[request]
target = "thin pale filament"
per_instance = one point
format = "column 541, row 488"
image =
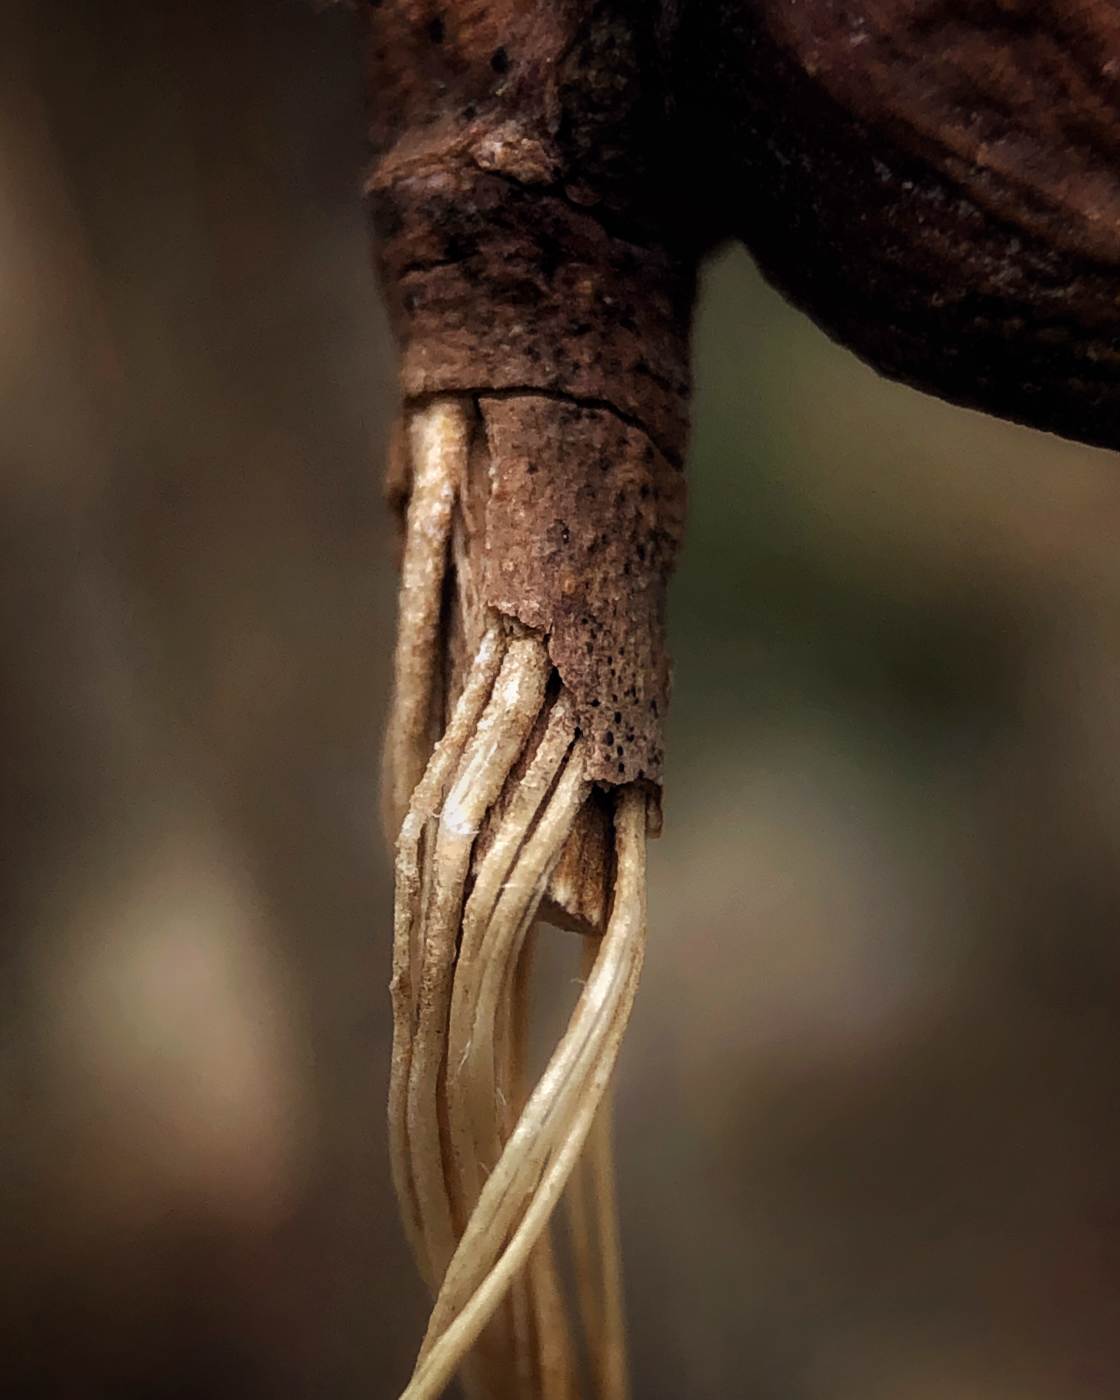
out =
column 478, row 918
column 428, row 795
column 439, row 440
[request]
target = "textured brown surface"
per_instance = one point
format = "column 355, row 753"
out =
column 496, row 286
column 1018, row 101
column 936, row 183
column 583, row 523
column 522, row 241
column 525, row 248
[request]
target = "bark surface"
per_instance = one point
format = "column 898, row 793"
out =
column 531, row 263
column 936, row 183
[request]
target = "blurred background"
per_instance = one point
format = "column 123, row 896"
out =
column 869, row 1109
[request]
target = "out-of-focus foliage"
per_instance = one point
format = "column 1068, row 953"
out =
column 867, row 1108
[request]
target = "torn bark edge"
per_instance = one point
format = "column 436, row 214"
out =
column 583, row 522
column 564, row 520
column 572, row 521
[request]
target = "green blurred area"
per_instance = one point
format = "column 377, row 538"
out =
column 867, row 1108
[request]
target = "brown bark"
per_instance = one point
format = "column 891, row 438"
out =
column 582, row 554
column 530, row 266
column 937, row 183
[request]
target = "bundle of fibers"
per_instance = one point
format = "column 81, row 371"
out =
column 497, row 771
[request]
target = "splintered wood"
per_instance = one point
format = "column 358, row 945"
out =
column 495, row 766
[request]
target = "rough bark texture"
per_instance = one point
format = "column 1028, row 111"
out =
column 523, row 242
column 582, row 554
column 526, row 247
column 498, row 286
column 936, row 181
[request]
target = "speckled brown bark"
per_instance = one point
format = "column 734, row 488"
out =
column 583, row 553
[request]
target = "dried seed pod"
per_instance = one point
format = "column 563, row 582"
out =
column 937, row 184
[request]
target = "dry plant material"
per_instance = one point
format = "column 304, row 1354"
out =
column 547, row 175
column 543, row 326
column 511, row 782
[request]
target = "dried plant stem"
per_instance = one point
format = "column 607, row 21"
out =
column 479, row 1165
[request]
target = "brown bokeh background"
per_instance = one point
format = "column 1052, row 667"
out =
column 868, row 1109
